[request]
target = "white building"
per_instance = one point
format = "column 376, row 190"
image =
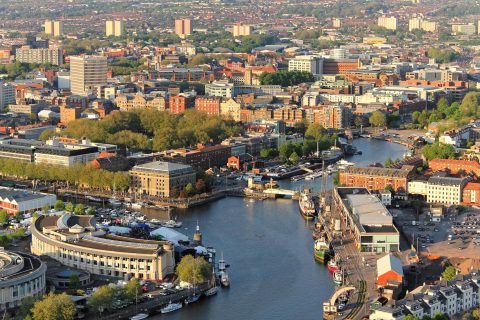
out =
column 389, row 23
column 443, row 190
column 86, row 73
column 467, row 29
column 22, row 276
column 54, row 28
column 242, row 30
column 13, row 200
column 114, row 28
column 312, row 64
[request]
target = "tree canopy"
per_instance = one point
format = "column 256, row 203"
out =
column 378, row 119
column 194, row 270
column 285, row 78
column 54, row 307
column 449, row 273
column 438, row 150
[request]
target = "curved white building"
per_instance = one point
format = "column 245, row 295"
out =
column 21, row 275
column 75, row 241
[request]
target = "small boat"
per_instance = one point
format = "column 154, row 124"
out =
column 94, row 199
column 222, row 268
column 192, row 299
column 156, row 221
column 210, row 292
column 115, row 202
column 140, row 316
column 332, row 265
column 321, row 249
column 338, row 277
column 171, row 307
column 173, row 224
column 138, row 205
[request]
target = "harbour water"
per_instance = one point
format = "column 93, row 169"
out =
column 269, row 247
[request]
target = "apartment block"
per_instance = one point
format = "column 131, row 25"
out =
column 389, row 23
column 87, row 73
column 242, row 30
column 208, row 105
column 183, row 27
column 41, row 56
column 54, row 28
column 114, row 28
column 376, row 178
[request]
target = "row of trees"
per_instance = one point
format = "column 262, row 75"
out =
column 438, row 150
column 286, row 78
column 79, row 175
column 102, row 300
column 152, row 129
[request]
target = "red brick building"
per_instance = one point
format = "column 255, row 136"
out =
column 205, row 157
column 340, row 66
column 375, row 178
column 233, row 163
column 180, row 103
column 471, row 194
column 455, row 166
column 208, row 105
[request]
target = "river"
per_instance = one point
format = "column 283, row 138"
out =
column 270, row 249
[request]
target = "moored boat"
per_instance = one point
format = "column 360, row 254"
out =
column 139, row 316
column 210, row 292
column 332, row 265
column 192, row 299
column 171, row 307
column 321, row 249
column 338, row 277
column 306, row 205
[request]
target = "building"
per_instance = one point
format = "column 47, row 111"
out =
column 14, row 201
column 471, row 194
column 23, row 275
column 86, row 73
column 183, row 27
column 208, row 105
column 204, row 157
column 25, row 108
column 55, row 153
column 467, row 29
column 26, row 54
column 69, row 114
column 76, row 242
column 333, row 117
column 148, row 102
column 114, row 28
column 54, row 28
column 161, row 179
column 389, row 23
column 230, row 109
column 336, row 23
column 366, row 217
column 180, row 103
column 439, row 189
column 455, row 166
column 376, row 178
column 419, row 23
column 452, row 298
column 340, row 66
column 7, row 95
column 312, row 64
column 240, row 30
column 389, row 268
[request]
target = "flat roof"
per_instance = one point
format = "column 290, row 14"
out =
column 20, row 195
column 369, row 209
column 163, row 166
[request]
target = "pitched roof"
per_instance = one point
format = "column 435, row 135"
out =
column 389, row 263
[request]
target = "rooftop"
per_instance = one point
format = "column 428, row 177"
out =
column 163, row 166
column 379, row 171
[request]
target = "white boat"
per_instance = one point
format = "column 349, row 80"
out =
column 138, row 205
column 210, row 292
column 192, row 299
column 94, row 199
column 156, row 221
column 222, row 268
column 343, row 162
column 173, row 224
column 171, row 307
column 139, row 316
column 115, row 202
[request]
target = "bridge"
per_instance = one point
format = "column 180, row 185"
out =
column 281, row 192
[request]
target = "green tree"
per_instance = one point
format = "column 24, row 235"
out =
column 336, row 178
column 358, row 121
column 294, row 157
column 469, row 105
column 193, row 270
column 74, row 283
column 69, row 207
column 315, row 131
column 476, row 313
column 285, row 78
column 388, row 162
column 59, row 205
column 79, row 209
column 378, row 119
column 90, row 211
column 410, row 317
column 449, row 273
column 26, row 305
column 102, row 299
column 264, row 153
column 189, row 189
column 54, row 307
column 45, row 208
column 3, row 217
column 438, row 150
column 133, row 289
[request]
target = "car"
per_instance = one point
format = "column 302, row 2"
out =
column 436, row 230
column 460, row 248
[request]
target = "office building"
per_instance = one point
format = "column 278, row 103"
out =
column 240, row 30
column 86, row 73
column 389, row 23
column 41, row 56
column 367, row 218
column 7, row 95
column 161, row 179
column 376, row 178
column 183, row 27
column 439, row 189
column 114, row 28
column 54, row 28
column 14, row 201
column 23, row 275
column 466, row 29
column 312, row 64
column 77, row 242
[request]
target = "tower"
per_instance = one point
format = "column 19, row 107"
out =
column 197, row 236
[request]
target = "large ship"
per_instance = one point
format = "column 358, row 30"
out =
column 321, row 249
column 306, row 205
